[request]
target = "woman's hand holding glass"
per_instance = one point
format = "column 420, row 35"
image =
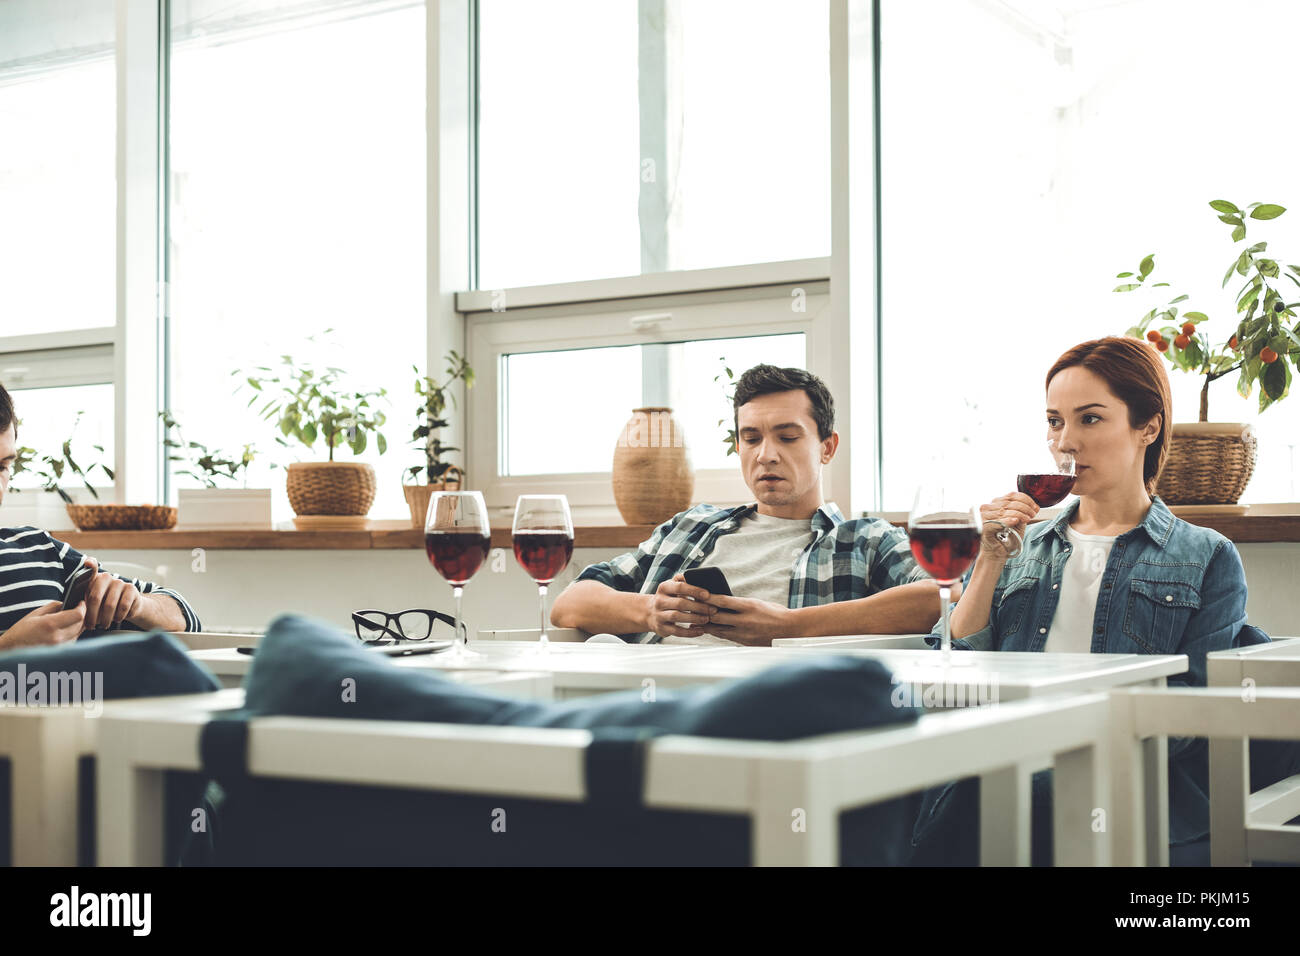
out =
column 1006, row 519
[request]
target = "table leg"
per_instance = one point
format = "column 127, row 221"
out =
column 1005, row 814
column 1229, row 794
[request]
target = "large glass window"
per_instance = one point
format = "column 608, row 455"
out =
column 79, row 414
column 57, row 156
column 297, row 205
column 1031, row 152
column 538, row 406
column 618, row 138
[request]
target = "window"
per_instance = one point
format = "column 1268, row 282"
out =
column 1057, row 146
column 57, row 174
column 80, row 413
column 297, row 180
column 618, row 138
column 558, row 411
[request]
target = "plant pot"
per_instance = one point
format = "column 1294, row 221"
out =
column 652, row 468
column 213, row 508
column 122, row 517
column 36, row 509
column 330, row 487
column 417, row 496
column 1209, row 463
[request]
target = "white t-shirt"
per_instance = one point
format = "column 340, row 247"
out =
column 757, row 559
column 1071, row 630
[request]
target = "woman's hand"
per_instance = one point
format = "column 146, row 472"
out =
column 1014, row 511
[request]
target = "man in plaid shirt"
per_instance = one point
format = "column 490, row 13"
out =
column 795, row 566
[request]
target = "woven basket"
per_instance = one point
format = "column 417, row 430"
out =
column 417, row 496
column 1210, row 463
column 122, row 517
column 331, row 487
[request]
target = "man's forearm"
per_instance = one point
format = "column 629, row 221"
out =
column 594, row 607
column 906, row 609
column 159, row 612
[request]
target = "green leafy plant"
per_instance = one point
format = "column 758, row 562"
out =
column 1265, row 342
column 208, row 467
column 729, row 392
column 434, row 400
column 52, row 470
column 310, row 405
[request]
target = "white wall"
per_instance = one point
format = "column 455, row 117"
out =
column 248, row 588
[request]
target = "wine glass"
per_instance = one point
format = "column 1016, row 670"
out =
column 543, row 539
column 456, row 539
column 944, row 533
column 1047, row 488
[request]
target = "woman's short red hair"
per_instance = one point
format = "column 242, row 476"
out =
column 1133, row 371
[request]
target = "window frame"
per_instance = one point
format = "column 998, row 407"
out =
column 586, row 315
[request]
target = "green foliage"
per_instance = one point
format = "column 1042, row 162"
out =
column 434, row 400
column 1263, row 317
column 52, row 470
column 311, row 405
column 206, row 466
column 729, row 390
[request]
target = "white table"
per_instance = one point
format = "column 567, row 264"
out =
column 1245, row 825
column 912, row 642
column 44, row 747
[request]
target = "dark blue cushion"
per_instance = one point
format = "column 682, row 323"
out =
column 301, row 665
column 300, row 668
column 145, row 665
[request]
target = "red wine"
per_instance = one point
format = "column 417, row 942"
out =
column 1045, row 489
column 945, row 550
column 543, row 554
column 457, row 554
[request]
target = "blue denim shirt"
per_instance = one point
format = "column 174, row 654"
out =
column 1169, row 587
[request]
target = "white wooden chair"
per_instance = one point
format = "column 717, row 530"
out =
column 1249, row 826
column 823, row 776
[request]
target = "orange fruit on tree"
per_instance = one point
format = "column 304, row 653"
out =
column 1232, row 343
column 1188, row 328
column 1268, row 355
column 1182, row 340
column 1163, row 345
column 1153, row 336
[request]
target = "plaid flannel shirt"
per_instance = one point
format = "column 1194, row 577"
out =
column 846, row 560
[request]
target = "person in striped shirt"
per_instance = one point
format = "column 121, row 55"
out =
column 35, row 570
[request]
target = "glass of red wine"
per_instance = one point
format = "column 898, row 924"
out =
column 1047, row 488
column 543, row 538
column 456, row 539
column 945, row 538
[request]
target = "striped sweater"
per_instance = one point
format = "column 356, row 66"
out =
column 35, row 569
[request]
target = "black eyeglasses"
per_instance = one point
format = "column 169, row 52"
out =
column 413, row 624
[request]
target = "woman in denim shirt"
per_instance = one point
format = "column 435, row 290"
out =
column 1116, row 572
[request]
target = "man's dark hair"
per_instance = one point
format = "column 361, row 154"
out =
column 6, row 411
column 766, row 379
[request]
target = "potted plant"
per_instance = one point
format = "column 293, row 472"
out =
column 312, row 406
column 47, row 507
column 214, row 506
column 729, row 392
column 1210, row 463
column 433, row 474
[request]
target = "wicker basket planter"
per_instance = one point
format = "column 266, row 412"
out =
column 1209, row 463
column 331, row 487
column 417, row 496
column 122, row 517
column 652, row 472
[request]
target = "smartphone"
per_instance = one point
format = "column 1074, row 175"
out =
column 712, row 580
column 78, row 586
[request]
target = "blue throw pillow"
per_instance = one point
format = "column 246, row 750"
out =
column 145, row 665
column 302, row 668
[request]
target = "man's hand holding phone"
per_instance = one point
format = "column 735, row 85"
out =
column 678, row 609
column 109, row 599
column 48, row 624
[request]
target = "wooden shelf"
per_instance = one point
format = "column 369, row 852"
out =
column 398, row 534
column 377, row 534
